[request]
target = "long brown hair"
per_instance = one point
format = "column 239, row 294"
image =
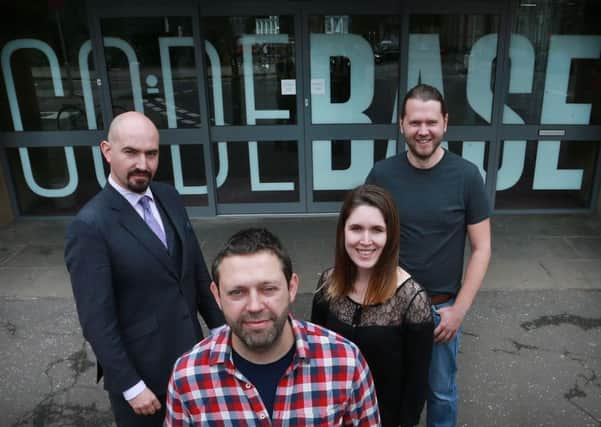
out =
column 383, row 280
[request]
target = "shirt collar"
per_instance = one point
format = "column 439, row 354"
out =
column 132, row 197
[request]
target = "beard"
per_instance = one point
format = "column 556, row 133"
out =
column 137, row 183
column 260, row 340
column 423, row 155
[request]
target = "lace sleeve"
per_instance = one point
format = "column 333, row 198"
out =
column 419, row 309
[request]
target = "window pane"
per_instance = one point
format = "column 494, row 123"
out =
column 151, row 68
column 546, row 174
column 256, row 172
column 455, row 54
column 340, row 165
column 54, row 182
column 555, row 64
column 354, row 68
column 184, row 166
column 45, row 86
column 251, row 70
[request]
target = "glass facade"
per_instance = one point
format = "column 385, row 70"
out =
column 250, row 65
column 150, row 67
column 248, row 173
column 273, row 108
column 354, row 68
column 455, row 53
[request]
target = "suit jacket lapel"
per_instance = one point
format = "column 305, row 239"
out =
column 131, row 221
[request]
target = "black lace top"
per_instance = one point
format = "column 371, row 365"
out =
column 395, row 338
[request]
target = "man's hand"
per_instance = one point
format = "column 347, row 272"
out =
column 450, row 321
column 145, row 403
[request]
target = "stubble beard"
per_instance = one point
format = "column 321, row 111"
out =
column 264, row 340
column 423, row 156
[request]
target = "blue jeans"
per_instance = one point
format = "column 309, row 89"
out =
column 442, row 393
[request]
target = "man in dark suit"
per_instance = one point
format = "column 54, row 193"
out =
column 138, row 275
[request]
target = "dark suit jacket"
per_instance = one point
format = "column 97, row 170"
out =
column 136, row 303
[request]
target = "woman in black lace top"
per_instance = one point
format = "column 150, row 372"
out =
column 370, row 300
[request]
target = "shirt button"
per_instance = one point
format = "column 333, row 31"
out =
column 262, row 416
column 247, row 385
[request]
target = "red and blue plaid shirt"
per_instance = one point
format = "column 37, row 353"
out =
column 328, row 384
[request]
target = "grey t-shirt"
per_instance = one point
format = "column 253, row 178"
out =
column 435, row 206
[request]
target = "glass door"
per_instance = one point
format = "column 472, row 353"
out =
column 353, row 63
column 254, row 79
column 45, row 134
column 304, row 100
column 152, row 64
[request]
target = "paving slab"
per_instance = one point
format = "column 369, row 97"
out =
column 527, row 358
column 530, row 353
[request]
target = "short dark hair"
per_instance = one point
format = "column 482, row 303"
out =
column 251, row 241
column 424, row 92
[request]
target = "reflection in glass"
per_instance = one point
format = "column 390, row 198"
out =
column 50, row 171
column 251, row 70
column 189, row 176
column 354, row 68
column 258, row 172
column 455, row 54
column 45, row 66
column 151, row 68
column 555, row 64
column 340, row 165
column 554, row 175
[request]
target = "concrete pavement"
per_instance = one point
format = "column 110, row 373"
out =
column 530, row 351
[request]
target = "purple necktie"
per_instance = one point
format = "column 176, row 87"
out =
column 151, row 220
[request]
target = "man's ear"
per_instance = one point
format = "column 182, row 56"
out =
column 215, row 292
column 293, row 287
column 105, row 147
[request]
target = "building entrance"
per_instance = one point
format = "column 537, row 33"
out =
column 281, row 107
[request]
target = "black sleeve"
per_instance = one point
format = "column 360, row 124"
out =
column 88, row 261
column 418, row 337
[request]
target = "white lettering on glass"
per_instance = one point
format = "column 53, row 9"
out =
column 252, row 114
column 361, row 60
column 7, row 51
column 165, row 43
column 557, row 111
column 480, row 97
column 424, row 65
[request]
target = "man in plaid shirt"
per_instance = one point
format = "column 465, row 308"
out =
column 265, row 368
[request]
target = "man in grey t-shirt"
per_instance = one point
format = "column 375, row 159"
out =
column 440, row 198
